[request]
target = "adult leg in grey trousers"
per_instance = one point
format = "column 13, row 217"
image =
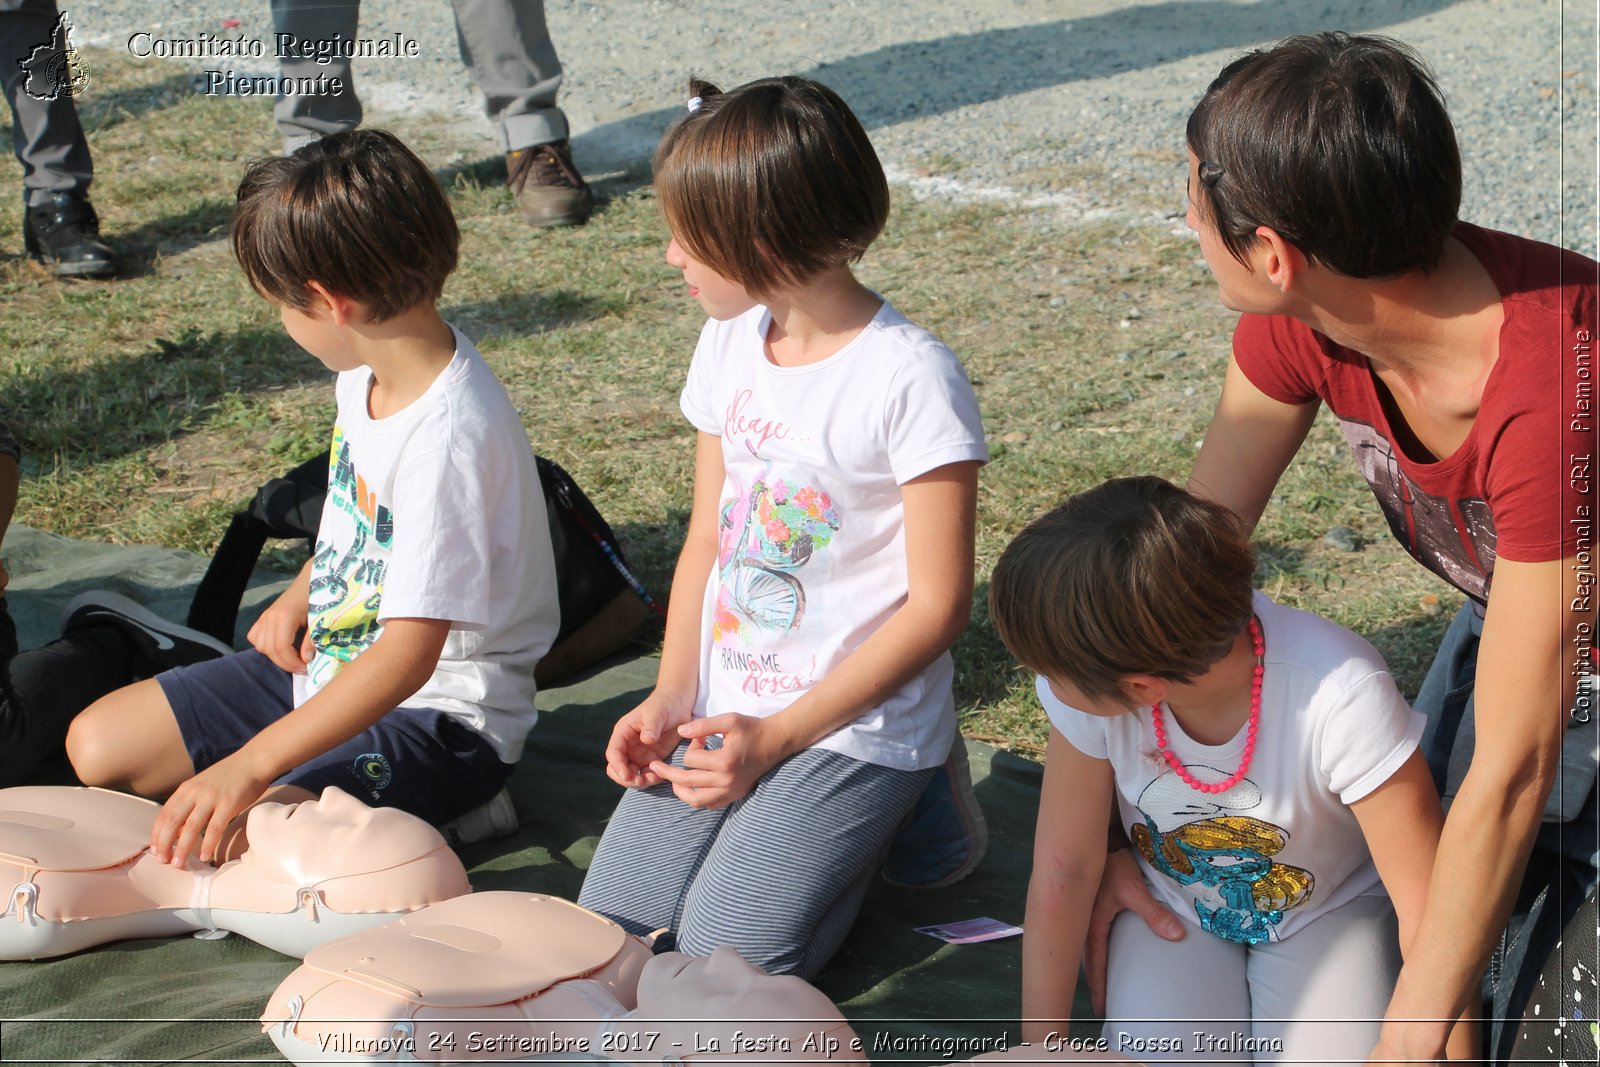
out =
column 46, row 134
column 506, row 46
column 303, row 118
column 61, row 227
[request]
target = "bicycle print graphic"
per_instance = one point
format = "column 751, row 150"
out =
column 765, row 535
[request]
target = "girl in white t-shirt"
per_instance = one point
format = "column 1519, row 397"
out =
column 1266, row 771
column 804, row 695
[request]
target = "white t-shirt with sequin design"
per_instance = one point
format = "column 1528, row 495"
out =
column 1254, row 862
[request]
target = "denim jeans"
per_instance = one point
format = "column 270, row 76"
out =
column 1561, row 872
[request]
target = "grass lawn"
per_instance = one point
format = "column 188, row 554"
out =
column 150, row 407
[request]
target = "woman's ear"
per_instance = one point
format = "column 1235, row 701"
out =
column 1278, row 258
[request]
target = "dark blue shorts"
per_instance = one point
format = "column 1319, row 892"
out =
column 418, row 760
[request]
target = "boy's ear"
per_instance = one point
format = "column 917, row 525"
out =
column 1280, row 260
column 335, row 305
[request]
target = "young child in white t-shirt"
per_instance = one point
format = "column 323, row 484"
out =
column 1266, row 771
column 398, row 665
column 804, row 695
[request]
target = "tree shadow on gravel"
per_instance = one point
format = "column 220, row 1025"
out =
column 914, row 79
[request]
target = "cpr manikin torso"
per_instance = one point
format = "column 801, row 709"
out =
column 81, row 873
column 553, row 983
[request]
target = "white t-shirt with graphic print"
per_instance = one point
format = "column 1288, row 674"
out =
column 435, row 512
column 1253, row 863
column 811, row 541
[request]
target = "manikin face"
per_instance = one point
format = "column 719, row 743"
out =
column 721, row 297
column 334, row 834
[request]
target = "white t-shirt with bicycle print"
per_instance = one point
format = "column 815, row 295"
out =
column 811, row 539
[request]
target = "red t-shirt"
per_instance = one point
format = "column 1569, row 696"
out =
column 1521, row 484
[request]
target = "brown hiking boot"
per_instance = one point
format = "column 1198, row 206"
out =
column 548, row 188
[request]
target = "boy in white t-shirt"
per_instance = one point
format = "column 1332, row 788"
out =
column 398, row 665
column 1265, row 768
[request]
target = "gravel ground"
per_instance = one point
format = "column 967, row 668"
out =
column 1072, row 106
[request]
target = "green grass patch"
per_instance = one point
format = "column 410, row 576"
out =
column 150, row 407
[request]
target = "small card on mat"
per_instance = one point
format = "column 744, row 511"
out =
column 971, row 931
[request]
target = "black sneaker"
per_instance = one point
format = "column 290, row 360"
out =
column 65, row 234
column 159, row 645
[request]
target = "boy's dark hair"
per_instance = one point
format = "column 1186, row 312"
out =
column 1341, row 144
column 1135, row 576
column 772, row 183
column 356, row 211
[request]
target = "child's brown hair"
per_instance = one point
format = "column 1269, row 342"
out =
column 357, row 212
column 772, row 183
column 1135, row 576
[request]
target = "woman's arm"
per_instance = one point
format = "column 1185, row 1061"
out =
column 1525, row 685
column 646, row 734
column 940, row 515
column 1250, row 442
column 1401, row 820
column 1069, row 851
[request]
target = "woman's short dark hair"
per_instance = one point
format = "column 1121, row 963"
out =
column 356, row 211
column 1135, row 576
column 1341, row 144
column 772, row 183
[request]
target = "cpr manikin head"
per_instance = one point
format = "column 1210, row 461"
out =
column 83, row 874
column 357, row 858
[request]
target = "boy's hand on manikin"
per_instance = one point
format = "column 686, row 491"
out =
column 195, row 818
column 716, row 777
column 644, row 736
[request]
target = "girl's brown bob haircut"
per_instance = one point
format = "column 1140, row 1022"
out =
column 1341, row 144
column 772, row 183
column 1135, row 576
column 356, row 211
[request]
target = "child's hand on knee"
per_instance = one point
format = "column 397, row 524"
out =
column 644, row 736
column 716, row 777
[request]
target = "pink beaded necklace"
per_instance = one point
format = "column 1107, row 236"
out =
column 1250, row 736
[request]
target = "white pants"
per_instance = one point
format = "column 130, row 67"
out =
column 1317, row 997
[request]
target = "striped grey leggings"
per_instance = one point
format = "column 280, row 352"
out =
column 778, row 874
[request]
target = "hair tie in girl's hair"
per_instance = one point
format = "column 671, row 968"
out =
column 694, row 104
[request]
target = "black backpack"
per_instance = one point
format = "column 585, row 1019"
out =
column 602, row 604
